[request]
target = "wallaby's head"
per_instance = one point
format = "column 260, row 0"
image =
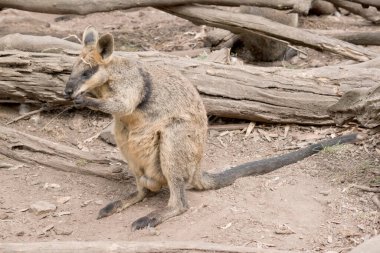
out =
column 90, row 70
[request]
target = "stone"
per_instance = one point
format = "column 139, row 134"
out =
column 63, row 200
column 62, row 231
column 42, row 207
column 107, row 135
column 4, row 216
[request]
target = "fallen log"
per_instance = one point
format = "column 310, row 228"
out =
column 361, row 105
column 129, row 247
column 32, row 43
column 25, row 148
column 277, row 95
column 354, row 37
column 87, row 7
column 374, row 3
column 250, row 24
column 370, row 14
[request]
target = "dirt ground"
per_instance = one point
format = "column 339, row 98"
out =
column 311, row 205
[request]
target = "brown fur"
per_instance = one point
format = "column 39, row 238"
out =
column 160, row 126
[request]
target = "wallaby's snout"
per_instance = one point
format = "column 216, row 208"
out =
column 68, row 92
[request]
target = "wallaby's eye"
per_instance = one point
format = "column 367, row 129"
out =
column 89, row 72
column 86, row 73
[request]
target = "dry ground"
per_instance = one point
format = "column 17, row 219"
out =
column 310, row 205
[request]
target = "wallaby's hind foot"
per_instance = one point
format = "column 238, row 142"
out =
column 120, row 205
column 157, row 217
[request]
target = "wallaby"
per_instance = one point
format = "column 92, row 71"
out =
column 160, row 127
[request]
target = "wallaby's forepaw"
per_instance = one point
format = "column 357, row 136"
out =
column 110, row 209
column 144, row 222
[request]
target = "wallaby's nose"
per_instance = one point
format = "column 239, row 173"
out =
column 68, row 92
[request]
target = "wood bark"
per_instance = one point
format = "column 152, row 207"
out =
column 36, row 43
column 361, row 105
column 251, row 24
column 91, row 6
column 276, row 95
column 375, row 3
column 26, row 148
column 128, row 247
column 354, row 37
column 370, row 14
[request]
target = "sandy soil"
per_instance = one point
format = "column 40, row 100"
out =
column 310, row 205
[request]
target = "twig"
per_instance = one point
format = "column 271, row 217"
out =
column 73, row 35
column 56, row 116
column 90, row 139
column 26, row 115
column 367, row 189
column 376, row 200
column 228, row 127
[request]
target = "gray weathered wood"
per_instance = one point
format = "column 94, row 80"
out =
column 128, row 247
column 375, row 3
column 250, row 24
column 370, row 14
column 276, row 95
column 362, row 105
column 90, row 6
column 25, row 148
column 354, row 37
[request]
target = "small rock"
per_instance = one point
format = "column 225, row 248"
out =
column 107, row 135
column 117, row 170
column 46, row 229
column 62, row 231
column 53, row 186
column 84, row 204
column 36, row 118
column 5, row 165
column 325, row 193
column 99, row 202
column 20, row 233
column 63, row 200
column 153, row 231
column 59, row 214
column 4, row 216
column 24, row 109
column 329, row 239
column 42, row 207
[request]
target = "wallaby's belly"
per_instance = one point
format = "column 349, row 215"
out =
column 140, row 147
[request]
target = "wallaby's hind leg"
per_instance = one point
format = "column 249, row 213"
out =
column 176, row 160
column 120, row 205
column 176, row 206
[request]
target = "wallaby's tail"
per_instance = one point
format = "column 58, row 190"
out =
column 228, row 177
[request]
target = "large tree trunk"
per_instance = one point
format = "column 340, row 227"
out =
column 87, row 7
column 250, row 24
column 259, row 94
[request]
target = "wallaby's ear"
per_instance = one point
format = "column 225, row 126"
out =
column 90, row 36
column 105, row 46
